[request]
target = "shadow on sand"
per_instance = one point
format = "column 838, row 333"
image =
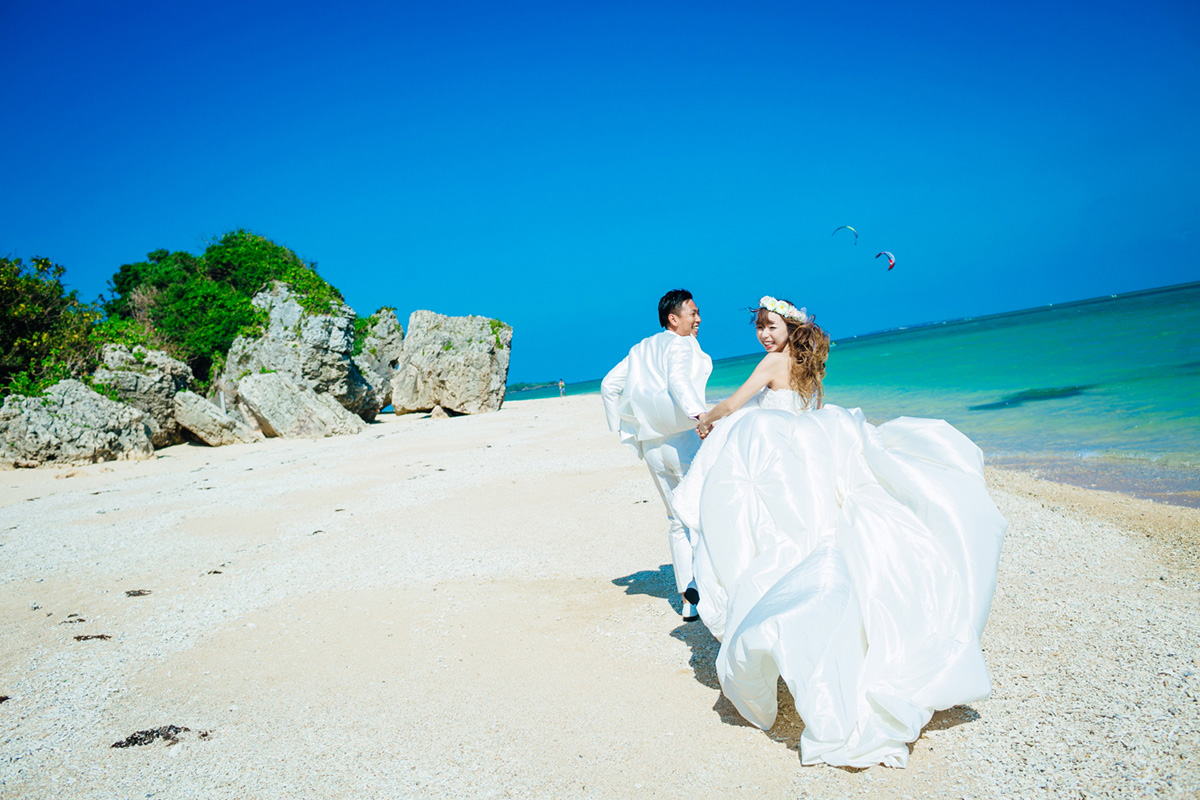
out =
column 704, row 647
column 950, row 718
column 788, row 725
column 660, row 584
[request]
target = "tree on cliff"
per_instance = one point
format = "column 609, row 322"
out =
column 194, row 306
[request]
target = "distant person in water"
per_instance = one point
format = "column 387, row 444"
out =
column 562, row 388
column 655, row 398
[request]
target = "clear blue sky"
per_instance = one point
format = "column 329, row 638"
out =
column 560, row 165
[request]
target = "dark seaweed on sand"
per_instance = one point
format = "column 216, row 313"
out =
column 167, row 732
column 137, row 593
column 85, row 637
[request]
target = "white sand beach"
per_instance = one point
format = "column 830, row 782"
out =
column 480, row 607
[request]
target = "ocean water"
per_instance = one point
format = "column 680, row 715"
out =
column 1102, row 393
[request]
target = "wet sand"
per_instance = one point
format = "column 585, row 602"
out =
column 1172, row 485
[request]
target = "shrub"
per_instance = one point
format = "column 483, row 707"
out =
column 497, row 326
column 46, row 333
column 248, row 262
column 195, row 306
column 363, row 324
column 198, row 320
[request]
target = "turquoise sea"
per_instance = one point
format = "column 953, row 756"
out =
column 1101, row 393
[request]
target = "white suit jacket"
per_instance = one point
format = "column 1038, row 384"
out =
column 656, row 389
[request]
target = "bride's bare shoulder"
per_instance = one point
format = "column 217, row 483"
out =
column 774, row 367
column 774, row 361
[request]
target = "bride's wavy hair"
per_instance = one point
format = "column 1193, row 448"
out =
column 809, row 346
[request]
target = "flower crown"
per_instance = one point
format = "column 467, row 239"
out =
column 784, row 309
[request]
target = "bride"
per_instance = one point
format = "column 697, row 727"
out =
column 857, row 562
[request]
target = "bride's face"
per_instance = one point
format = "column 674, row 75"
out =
column 773, row 335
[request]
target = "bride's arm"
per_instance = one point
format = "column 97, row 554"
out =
column 758, row 379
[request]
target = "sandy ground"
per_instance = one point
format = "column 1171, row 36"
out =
column 480, row 607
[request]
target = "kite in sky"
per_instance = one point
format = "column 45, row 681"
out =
column 847, row 227
column 891, row 258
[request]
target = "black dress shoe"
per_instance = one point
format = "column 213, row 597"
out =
column 691, row 595
column 689, row 613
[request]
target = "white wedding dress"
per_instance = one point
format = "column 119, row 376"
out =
column 856, row 561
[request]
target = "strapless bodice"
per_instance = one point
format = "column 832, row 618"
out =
column 781, row 400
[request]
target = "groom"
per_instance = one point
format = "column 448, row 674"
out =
column 654, row 398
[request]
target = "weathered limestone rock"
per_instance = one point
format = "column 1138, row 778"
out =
column 147, row 380
column 240, row 412
column 284, row 408
column 311, row 349
column 208, row 423
column 459, row 363
column 382, row 345
column 71, row 424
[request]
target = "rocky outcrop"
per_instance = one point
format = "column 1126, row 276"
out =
column 71, row 424
column 147, row 380
column 314, row 350
column 459, row 363
column 208, row 423
column 382, row 344
column 286, row 409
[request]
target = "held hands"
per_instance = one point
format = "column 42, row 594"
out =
column 703, row 429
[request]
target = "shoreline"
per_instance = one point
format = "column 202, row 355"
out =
column 1136, row 478
column 481, row 606
column 1117, row 478
column 1172, row 530
column 1139, row 476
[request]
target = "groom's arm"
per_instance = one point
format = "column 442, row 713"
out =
column 679, row 378
column 610, row 392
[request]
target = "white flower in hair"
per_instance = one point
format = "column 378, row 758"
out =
column 785, row 310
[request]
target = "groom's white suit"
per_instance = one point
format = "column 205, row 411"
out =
column 653, row 398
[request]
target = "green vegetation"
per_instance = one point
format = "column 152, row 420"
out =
column 190, row 306
column 364, row 324
column 46, row 333
column 497, row 326
column 361, row 326
column 195, row 306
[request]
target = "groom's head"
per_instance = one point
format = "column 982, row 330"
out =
column 677, row 312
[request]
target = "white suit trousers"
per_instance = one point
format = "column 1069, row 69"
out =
column 668, row 459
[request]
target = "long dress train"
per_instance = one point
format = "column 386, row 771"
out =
column 856, row 561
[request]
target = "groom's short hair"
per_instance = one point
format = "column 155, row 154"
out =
column 670, row 303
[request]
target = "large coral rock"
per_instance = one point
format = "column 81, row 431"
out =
column 284, row 408
column 71, row 424
column 210, row 424
column 314, row 350
column 382, row 344
column 459, row 363
column 147, row 380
